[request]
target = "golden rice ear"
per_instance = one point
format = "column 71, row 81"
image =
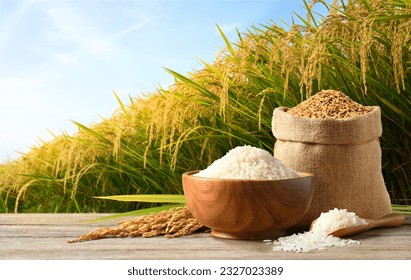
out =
column 171, row 223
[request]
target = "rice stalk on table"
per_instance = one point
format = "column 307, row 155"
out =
column 362, row 48
column 172, row 223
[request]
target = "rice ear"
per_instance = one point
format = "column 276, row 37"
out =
column 175, row 222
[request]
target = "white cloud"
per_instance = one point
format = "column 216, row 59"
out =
column 20, row 94
column 135, row 27
column 25, row 114
column 10, row 19
column 33, row 105
column 80, row 31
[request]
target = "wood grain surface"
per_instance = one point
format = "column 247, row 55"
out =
column 45, row 236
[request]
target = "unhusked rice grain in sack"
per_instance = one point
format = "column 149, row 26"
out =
column 337, row 140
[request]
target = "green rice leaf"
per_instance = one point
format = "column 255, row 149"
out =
column 193, row 84
column 367, row 4
column 153, row 198
column 122, row 106
column 402, row 209
column 141, row 212
column 227, row 43
column 93, row 133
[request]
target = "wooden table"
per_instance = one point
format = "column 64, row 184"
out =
column 45, row 236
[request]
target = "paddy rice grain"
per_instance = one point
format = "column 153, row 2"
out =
column 171, row 223
column 331, row 104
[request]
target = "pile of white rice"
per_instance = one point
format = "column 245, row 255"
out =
column 318, row 237
column 246, row 162
column 336, row 219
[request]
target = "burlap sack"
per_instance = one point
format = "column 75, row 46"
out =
column 343, row 154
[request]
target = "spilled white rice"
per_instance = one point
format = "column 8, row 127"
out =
column 246, row 162
column 318, row 237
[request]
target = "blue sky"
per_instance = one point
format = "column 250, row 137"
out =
column 62, row 60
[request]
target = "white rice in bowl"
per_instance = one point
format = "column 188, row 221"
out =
column 246, row 162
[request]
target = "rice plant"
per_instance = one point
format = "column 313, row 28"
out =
column 362, row 48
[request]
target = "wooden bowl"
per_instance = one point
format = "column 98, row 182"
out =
column 248, row 209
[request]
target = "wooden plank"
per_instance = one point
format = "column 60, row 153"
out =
column 45, row 236
column 55, row 219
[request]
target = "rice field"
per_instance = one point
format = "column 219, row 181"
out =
column 361, row 48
